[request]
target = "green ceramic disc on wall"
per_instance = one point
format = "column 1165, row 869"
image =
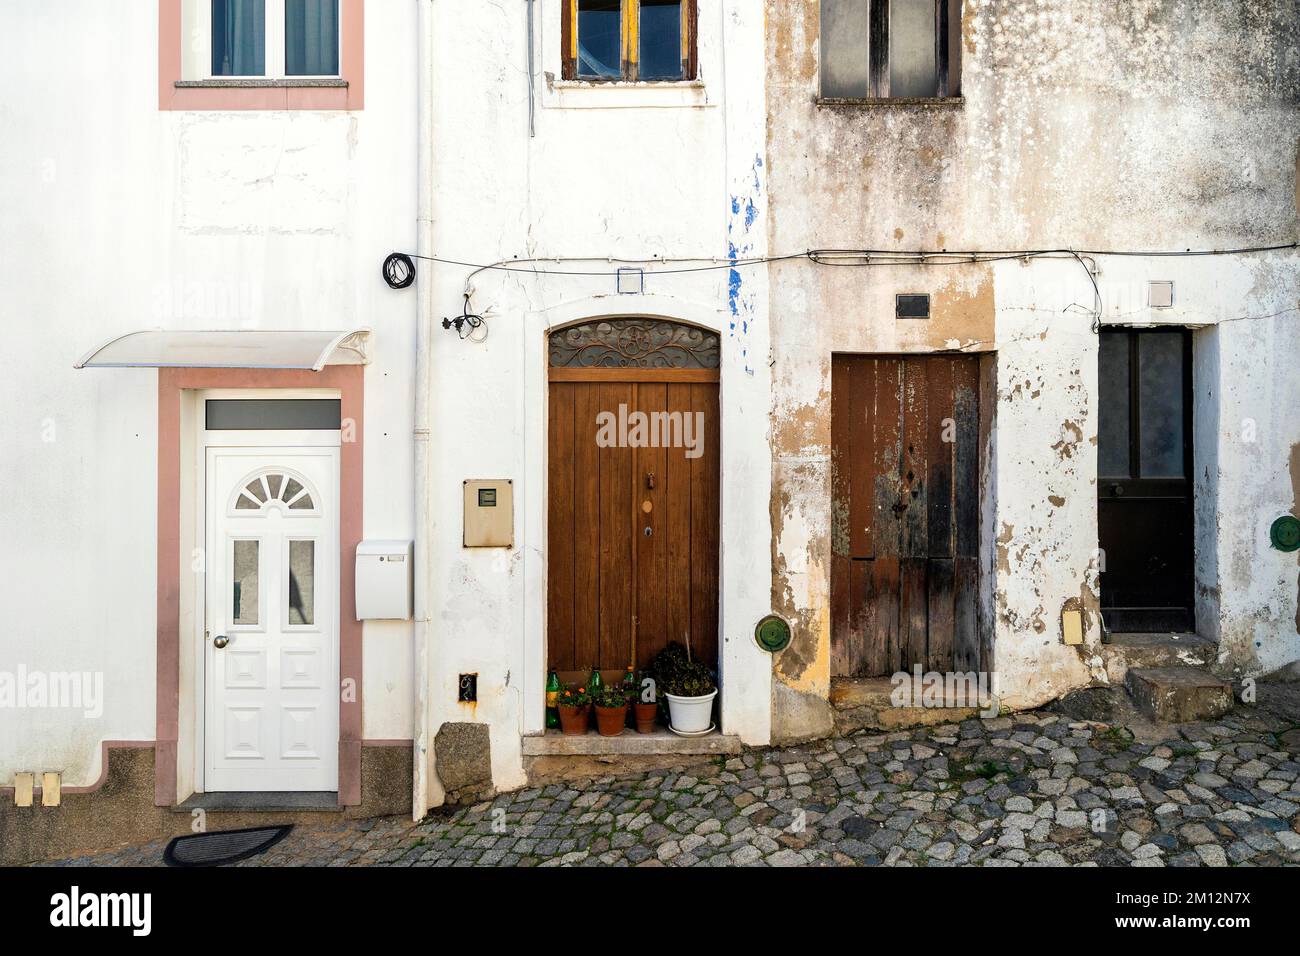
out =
column 772, row 634
column 1285, row 533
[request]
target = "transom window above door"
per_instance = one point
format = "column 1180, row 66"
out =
column 890, row 49
column 274, row 39
column 629, row 40
column 274, row 489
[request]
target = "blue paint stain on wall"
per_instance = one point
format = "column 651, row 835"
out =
column 744, row 216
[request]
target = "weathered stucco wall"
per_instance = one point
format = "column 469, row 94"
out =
column 1085, row 124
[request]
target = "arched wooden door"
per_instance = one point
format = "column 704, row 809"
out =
column 632, row 494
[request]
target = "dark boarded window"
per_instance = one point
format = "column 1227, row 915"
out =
column 890, row 49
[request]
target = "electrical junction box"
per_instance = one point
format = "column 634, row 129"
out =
column 489, row 513
column 384, row 580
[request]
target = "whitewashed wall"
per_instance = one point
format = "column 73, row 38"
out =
column 610, row 172
column 117, row 217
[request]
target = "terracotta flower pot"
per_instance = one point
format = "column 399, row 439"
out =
column 610, row 720
column 573, row 720
column 645, row 717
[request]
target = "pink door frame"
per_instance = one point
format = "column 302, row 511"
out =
column 172, row 382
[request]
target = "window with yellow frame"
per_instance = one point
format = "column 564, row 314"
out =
column 629, row 40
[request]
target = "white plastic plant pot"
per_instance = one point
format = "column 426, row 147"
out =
column 690, row 715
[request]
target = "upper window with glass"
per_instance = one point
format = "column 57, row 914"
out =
column 890, row 49
column 629, row 40
column 275, row 39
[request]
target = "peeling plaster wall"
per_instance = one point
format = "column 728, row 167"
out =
column 119, row 217
column 1084, row 123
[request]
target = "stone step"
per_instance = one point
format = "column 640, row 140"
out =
column 868, row 704
column 1178, row 694
column 1125, row 650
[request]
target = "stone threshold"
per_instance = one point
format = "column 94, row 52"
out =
column 553, row 743
column 261, row 802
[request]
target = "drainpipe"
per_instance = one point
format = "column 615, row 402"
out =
column 426, row 788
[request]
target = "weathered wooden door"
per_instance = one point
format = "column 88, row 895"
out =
column 905, row 465
column 632, row 494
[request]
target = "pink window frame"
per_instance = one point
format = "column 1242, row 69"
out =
column 284, row 96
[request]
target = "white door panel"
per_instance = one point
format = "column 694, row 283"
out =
column 271, row 699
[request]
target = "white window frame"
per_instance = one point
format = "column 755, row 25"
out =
column 274, row 33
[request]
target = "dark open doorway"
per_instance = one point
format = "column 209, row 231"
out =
column 1144, row 479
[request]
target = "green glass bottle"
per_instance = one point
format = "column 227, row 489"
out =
column 553, row 699
column 595, row 683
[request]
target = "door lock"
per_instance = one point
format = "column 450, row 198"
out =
column 1117, row 490
column 220, row 641
column 650, row 480
column 649, row 531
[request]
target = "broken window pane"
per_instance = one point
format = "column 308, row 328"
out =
column 661, row 40
column 600, row 26
column 845, row 66
column 912, row 67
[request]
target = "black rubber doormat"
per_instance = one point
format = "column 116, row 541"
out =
column 222, row 846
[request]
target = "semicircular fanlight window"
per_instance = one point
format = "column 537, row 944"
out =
column 274, row 488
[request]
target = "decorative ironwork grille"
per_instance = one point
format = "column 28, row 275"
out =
column 634, row 343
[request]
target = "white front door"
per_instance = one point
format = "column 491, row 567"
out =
column 271, row 711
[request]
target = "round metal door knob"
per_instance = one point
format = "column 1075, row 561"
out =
column 220, row 641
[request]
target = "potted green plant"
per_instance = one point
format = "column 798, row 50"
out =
column 645, row 710
column 611, row 710
column 575, row 710
column 689, row 688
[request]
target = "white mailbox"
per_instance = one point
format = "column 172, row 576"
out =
column 384, row 580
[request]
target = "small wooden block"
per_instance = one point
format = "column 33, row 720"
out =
column 51, row 788
column 24, row 784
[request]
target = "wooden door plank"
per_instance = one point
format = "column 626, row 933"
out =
column 940, row 591
column 860, row 608
column 704, row 526
column 966, row 638
column 916, row 455
column 676, row 525
column 941, row 430
column 841, row 559
column 651, row 552
column 886, row 477
column 560, row 593
column 882, row 616
column 841, row 441
column 586, row 523
column 914, row 613
column 860, row 436
column 615, row 643
column 966, row 456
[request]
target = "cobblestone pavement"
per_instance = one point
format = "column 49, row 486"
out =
column 1030, row 789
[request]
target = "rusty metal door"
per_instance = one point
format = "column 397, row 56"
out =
column 905, row 465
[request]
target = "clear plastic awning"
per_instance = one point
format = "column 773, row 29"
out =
column 248, row 348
